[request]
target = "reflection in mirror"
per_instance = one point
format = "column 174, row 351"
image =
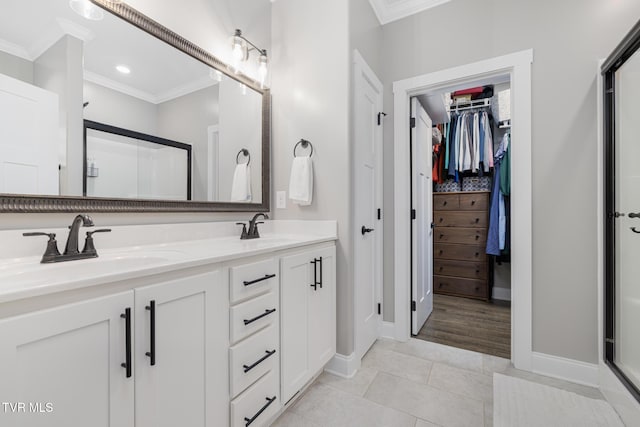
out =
column 63, row 68
column 125, row 164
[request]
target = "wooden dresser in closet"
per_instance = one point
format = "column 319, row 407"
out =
column 460, row 264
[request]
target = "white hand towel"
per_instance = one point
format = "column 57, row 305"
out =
column 241, row 187
column 301, row 181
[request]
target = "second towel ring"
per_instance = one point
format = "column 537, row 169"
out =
column 244, row 152
column 305, row 144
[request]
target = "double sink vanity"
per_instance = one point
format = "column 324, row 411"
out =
column 184, row 324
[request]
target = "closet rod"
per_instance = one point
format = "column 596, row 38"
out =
column 468, row 105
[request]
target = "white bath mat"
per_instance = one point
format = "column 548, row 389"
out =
column 521, row 403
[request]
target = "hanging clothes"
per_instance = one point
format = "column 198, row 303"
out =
column 498, row 215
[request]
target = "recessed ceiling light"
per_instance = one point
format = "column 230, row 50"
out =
column 123, row 69
column 86, row 9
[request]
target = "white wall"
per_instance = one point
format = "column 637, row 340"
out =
column 16, row 67
column 310, row 63
column 568, row 38
column 59, row 69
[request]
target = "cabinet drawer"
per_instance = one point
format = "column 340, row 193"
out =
column 445, row 202
column 465, row 287
column 461, row 219
column 249, row 280
column 460, row 235
column 253, row 315
column 466, row 269
column 258, row 404
column 459, row 252
column 252, row 358
column 474, row 201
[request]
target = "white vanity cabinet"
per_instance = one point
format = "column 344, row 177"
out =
column 181, row 352
column 308, row 305
column 64, row 365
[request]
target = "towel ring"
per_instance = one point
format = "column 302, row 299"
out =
column 244, row 152
column 305, row 144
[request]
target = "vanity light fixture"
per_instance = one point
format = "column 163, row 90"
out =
column 241, row 48
column 123, row 69
column 86, row 9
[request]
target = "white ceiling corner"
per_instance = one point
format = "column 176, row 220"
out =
column 392, row 10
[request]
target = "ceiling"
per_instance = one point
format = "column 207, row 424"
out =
column 158, row 71
column 392, row 10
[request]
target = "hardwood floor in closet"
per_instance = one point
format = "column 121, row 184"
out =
column 470, row 324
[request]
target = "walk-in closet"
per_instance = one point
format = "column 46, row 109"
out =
column 463, row 247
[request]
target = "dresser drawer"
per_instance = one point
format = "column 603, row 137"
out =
column 445, row 202
column 465, row 269
column 465, row 287
column 460, row 235
column 249, row 280
column 258, row 404
column 459, row 252
column 474, row 201
column 253, row 315
column 252, row 358
column 460, row 219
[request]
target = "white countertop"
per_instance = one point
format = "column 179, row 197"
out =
column 184, row 246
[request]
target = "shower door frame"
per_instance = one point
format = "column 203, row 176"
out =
column 629, row 45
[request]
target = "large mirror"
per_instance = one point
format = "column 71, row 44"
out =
column 103, row 109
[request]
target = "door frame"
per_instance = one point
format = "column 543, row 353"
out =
column 518, row 65
column 360, row 66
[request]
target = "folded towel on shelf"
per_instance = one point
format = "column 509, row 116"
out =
column 301, row 181
column 241, row 187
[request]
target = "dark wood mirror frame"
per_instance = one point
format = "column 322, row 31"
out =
column 43, row 204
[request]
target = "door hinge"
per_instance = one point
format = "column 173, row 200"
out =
column 379, row 308
column 413, row 306
column 609, row 340
column 413, row 214
column 413, row 122
column 379, row 213
column 380, row 115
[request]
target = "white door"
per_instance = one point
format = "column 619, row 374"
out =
column 421, row 232
column 367, row 158
column 187, row 384
column 28, row 139
column 65, row 365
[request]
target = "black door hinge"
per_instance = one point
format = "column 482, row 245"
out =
column 413, row 214
column 379, row 213
column 413, row 122
column 379, row 308
column 413, row 306
column 380, row 114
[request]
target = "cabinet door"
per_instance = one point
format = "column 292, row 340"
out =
column 296, row 276
column 322, row 311
column 64, row 366
column 188, row 383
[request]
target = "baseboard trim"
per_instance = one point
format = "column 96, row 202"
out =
column 565, row 369
column 343, row 366
column 388, row 330
column 502, row 294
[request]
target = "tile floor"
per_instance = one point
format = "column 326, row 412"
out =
column 412, row 384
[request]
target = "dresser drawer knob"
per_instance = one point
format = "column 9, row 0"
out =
column 477, row 237
column 441, row 236
column 477, row 220
column 473, row 202
column 441, row 219
column 477, row 254
column 445, row 203
column 441, row 268
column 441, row 252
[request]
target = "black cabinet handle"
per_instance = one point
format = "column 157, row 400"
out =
column 266, row 313
column 314, row 285
column 152, row 332
column 127, row 364
column 253, row 282
column 259, row 361
column 320, row 273
column 248, row 421
column 634, row 215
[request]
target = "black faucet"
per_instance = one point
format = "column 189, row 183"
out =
column 71, row 251
column 252, row 232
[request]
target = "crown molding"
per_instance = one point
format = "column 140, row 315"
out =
column 392, row 10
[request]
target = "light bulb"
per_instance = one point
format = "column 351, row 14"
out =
column 86, row 9
column 262, row 67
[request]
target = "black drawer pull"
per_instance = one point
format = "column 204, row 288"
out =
column 253, row 282
column 477, row 220
column 445, row 203
column 477, row 237
column 252, row 419
column 262, row 359
column 314, row 285
column 127, row 364
column 320, row 283
column 151, row 354
column 473, row 202
column 266, row 313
